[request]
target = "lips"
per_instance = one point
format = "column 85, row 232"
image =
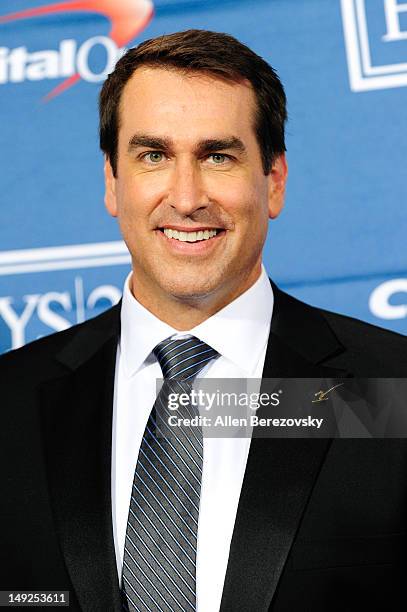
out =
column 190, row 236
column 190, row 240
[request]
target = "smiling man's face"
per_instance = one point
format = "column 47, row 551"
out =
column 190, row 193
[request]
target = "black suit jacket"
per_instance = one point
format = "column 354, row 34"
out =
column 321, row 524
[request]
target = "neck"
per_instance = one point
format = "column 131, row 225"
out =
column 183, row 313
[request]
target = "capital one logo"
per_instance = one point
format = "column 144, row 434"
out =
column 71, row 61
column 376, row 43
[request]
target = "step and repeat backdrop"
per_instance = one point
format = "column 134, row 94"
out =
column 341, row 241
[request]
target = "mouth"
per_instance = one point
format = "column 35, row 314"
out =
column 194, row 242
column 188, row 235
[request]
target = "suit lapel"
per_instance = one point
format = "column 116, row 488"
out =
column 280, row 473
column 76, row 412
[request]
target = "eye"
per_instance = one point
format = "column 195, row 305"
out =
column 219, row 158
column 154, row 157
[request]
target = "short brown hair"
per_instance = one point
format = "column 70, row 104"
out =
column 214, row 53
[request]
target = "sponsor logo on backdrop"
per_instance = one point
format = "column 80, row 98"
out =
column 31, row 315
column 70, row 60
column 380, row 299
column 376, row 43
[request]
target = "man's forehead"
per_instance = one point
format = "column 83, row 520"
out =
column 162, row 86
column 188, row 110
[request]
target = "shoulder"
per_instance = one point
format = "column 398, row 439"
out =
column 354, row 331
column 365, row 349
column 39, row 359
column 358, row 334
column 368, row 345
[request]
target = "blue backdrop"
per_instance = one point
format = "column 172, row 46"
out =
column 341, row 240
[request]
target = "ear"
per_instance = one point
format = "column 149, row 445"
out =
column 277, row 181
column 110, row 189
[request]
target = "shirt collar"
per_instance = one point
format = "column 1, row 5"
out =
column 239, row 332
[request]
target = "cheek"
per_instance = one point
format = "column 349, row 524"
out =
column 244, row 184
column 247, row 203
column 135, row 201
column 251, row 217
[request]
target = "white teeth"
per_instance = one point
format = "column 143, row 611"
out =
column 189, row 236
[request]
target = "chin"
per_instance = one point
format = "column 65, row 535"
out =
column 190, row 289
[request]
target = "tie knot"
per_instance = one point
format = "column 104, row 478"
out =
column 183, row 358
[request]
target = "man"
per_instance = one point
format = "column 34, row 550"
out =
column 192, row 128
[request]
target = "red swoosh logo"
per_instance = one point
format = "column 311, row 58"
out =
column 128, row 18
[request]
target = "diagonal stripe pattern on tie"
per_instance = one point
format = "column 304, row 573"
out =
column 159, row 565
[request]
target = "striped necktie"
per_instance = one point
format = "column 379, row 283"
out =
column 159, row 564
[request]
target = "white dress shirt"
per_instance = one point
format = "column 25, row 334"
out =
column 239, row 332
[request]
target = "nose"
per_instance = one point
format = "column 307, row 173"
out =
column 187, row 193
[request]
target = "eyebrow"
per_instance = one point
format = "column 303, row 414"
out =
column 152, row 142
column 204, row 147
column 212, row 145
